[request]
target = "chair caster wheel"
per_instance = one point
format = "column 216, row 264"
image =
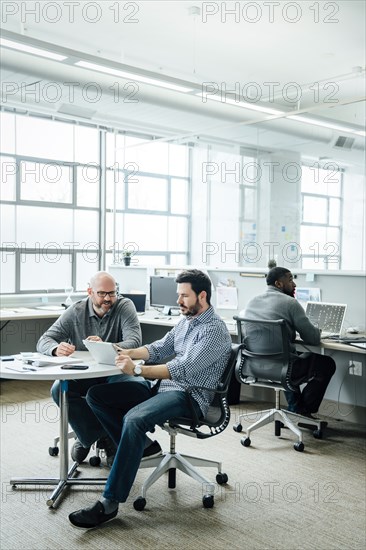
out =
column 53, row 451
column 208, row 501
column 245, row 441
column 221, row 479
column 299, row 446
column 237, row 428
column 139, row 504
column 94, row 461
column 318, row 434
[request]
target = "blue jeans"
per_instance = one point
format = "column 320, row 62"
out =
column 128, row 429
column 83, row 421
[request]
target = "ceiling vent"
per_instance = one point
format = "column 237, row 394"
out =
column 343, row 142
column 76, row 110
column 253, row 151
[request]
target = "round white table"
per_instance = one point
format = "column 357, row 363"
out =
column 17, row 370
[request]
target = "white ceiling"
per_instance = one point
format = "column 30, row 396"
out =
column 167, row 40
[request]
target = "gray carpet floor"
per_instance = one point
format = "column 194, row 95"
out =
column 276, row 498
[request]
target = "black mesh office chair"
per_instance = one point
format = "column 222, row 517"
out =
column 214, row 422
column 266, row 363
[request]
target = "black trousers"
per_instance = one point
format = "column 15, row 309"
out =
column 316, row 371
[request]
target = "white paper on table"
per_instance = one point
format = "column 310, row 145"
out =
column 39, row 360
column 226, row 297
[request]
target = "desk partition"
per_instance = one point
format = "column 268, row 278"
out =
column 341, row 287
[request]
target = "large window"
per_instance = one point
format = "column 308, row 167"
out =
column 50, row 186
column 225, row 189
column 148, row 190
column 320, row 235
column 249, row 213
column 64, row 214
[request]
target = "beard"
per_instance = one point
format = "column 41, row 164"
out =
column 102, row 308
column 191, row 311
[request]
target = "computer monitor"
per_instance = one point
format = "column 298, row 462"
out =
column 163, row 293
column 139, row 301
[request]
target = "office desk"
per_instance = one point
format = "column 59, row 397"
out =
column 23, row 313
column 150, row 317
column 21, row 330
column 153, row 318
column 332, row 345
column 339, row 346
column 56, row 373
column 26, row 327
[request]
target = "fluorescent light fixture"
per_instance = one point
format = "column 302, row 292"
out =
column 361, row 133
column 243, row 104
column 31, row 49
column 139, row 78
column 325, row 124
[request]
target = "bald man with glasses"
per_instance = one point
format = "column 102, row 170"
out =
column 101, row 317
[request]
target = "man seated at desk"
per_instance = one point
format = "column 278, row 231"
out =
column 315, row 369
column 103, row 317
column 200, row 344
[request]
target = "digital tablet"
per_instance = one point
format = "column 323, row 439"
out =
column 102, row 352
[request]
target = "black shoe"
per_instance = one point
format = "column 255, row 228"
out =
column 78, row 452
column 91, row 517
column 152, row 451
column 109, row 447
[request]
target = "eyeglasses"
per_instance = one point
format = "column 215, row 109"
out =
column 111, row 294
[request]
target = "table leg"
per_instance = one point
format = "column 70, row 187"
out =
column 66, row 475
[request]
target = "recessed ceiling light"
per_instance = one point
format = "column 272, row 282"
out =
column 30, row 49
column 134, row 76
column 324, row 124
column 243, row 104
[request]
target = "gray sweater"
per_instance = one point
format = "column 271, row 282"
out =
column 119, row 325
column 274, row 304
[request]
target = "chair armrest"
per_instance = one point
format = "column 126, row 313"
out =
column 220, row 389
column 188, row 391
column 195, row 418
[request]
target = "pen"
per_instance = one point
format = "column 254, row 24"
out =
column 28, row 368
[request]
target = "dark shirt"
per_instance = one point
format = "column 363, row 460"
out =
column 275, row 304
column 119, row 325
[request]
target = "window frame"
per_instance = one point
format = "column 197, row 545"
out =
column 17, row 251
column 326, row 259
column 73, row 252
column 125, row 174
